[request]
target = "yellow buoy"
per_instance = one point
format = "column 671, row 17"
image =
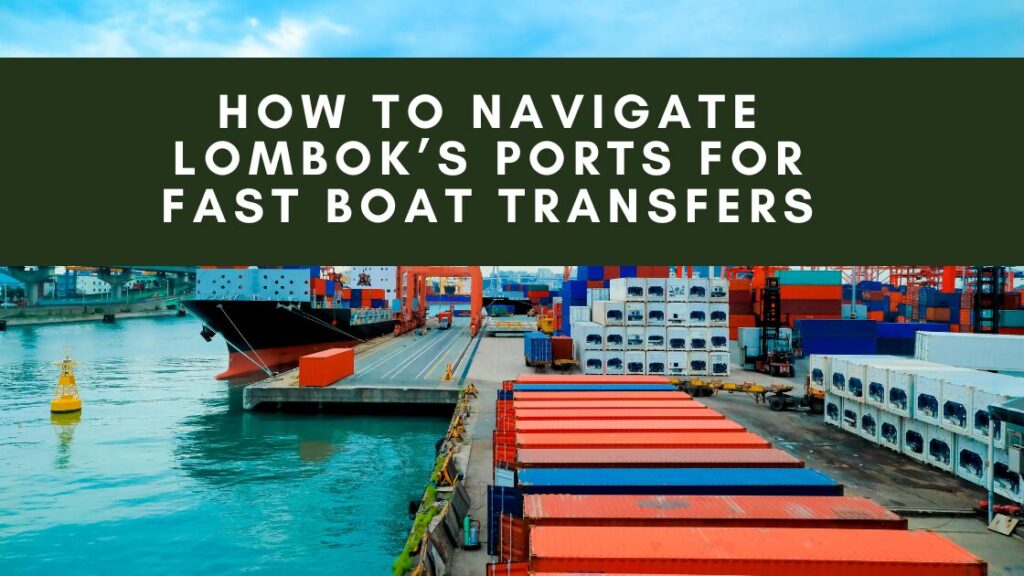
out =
column 65, row 396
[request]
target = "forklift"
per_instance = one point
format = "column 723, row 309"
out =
column 775, row 357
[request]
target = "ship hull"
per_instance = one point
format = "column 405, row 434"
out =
column 261, row 333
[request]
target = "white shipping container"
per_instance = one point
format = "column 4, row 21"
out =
column 957, row 406
column 593, row 362
column 628, row 289
column 869, row 427
column 608, row 313
column 677, row 313
column 579, row 314
column 654, row 338
column 915, row 439
column 678, row 365
column 636, row 336
column 890, row 430
column 1005, row 482
column 614, row 362
column 719, row 363
column 590, row 335
column 698, row 314
column 636, row 314
column 820, row 370
column 927, row 391
column 597, row 294
column 837, row 378
column 899, row 386
column 656, row 363
column 980, row 422
column 614, row 338
column 656, row 290
column 940, row 448
column 718, row 315
column 719, row 339
column 698, row 289
column 718, row 291
column 699, row 363
column 833, row 409
column 655, row 313
column 699, row 339
column 971, row 460
column 978, row 351
column 636, row 362
column 876, row 390
column 677, row 338
column 852, row 411
column 676, row 290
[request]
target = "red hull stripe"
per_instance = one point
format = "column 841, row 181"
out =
column 239, row 365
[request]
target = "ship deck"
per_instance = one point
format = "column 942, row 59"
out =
column 390, row 370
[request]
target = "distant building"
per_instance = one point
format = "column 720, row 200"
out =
column 86, row 284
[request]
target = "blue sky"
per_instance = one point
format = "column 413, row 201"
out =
column 479, row 28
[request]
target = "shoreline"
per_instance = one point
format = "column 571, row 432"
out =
column 94, row 317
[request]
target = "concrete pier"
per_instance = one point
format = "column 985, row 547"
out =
column 407, row 369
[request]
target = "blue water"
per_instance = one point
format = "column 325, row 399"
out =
column 163, row 472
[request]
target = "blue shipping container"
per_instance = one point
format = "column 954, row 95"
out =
column 627, row 271
column 837, row 329
column 537, row 347
column 736, row 481
column 840, row 346
column 500, row 500
column 908, row 330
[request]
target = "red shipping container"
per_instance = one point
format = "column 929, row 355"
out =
column 513, row 539
column 599, row 395
column 589, row 379
column 741, row 511
column 572, row 426
column 800, row 292
column 937, row 314
column 812, row 307
column 616, row 414
column 346, row 293
column 595, row 283
column 611, row 404
column 509, row 569
column 611, row 272
column 876, row 315
column 655, row 458
column 711, row 440
column 750, row 551
column 537, row 294
column 318, row 286
column 561, row 347
column 742, row 321
column 327, row 367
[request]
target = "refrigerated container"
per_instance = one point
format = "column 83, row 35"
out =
column 718, row 290
column 635, row 337
column 971, row 460
column 851, row 415
column 1005, row 481
column 636, row 362
column 939, row 452
column 588, row 336
column 718, row 315
column 957, row 406
column 654, row 338
column 656, row 313
column 820, row 371
column 699, row 363
column 676, row 338
column 698, row 289
column 636, row 313
column 655, row 288
column 676, row 290
column 837, row 378
column 628, row 289
column 614, row 362
column 677, row 313
column 833, row 411
column 699, row 339
column 890, row 430
column 698, row 314
column 678, row 363
column 593, row 362
column 981, row 421
column 614, row 338
column 608, row 313
column 718, row 363
column 869, row 427
column 719, row 339
column 915, row 439
column 927, row 391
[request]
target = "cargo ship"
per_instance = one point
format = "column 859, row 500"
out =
column 271, row 317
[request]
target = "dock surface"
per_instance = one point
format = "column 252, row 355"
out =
column 406, row 369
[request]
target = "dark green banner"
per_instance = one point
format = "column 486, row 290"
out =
column 648, row 161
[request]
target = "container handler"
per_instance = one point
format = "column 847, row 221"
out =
column 778, row 397
column 776, row 354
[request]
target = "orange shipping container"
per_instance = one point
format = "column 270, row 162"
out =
column 937, row 314
column 641, row 439
column 797, row 292
column 750, row 551
column 618, row 414
column 614, row 404
column 326, row 368
column 876, row 315
column 600, row 395
column 589, row 379
column 570, row 426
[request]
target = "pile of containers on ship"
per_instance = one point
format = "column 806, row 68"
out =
column 932, row 412
column 673, row 327
column 627, row 475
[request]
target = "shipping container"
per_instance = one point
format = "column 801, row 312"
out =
column 576, row 378
column 940, row 448
column 592, row 362
column 325, row 368
column 656, row 314
column 709, row 440
column 750, row 551
column 915, row 439
column 612, row 414
column 608, row 313
column 624, row 395
column 654, row 339
column 723, row 511
column 698, row 289
column 614, row 338
column 677, row 338
column 699, row 339
column 833, row 411
column 678, row 364
column 978, row 351
column 723, row 481
column 656, row 362
column 655, row 289
column 615, row 364
column 561, row 348
column 699, row 363
column 636, row 362
column 699, row 314
column 636, row 313
column 635, row 336
column 1006, row 482
column 676, row 290
column 677, row 313
column 593, row 387
column 971, row 460
column 809, row 277
column 718, row 290
column 682, row 402
column 656, row 458
column 537, row 348
column 644, row 425
column 869, row 427
column 890, row 430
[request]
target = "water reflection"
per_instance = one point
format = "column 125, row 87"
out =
column 64, row 425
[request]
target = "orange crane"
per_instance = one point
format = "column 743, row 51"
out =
column 412, row 285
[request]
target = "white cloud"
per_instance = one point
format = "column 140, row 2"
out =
column 291, row 38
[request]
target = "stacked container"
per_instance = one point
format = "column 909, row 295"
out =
column 659, row 326
column 933, row 413
column 601, row 474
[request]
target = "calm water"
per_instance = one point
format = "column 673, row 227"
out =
column 165, row 473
